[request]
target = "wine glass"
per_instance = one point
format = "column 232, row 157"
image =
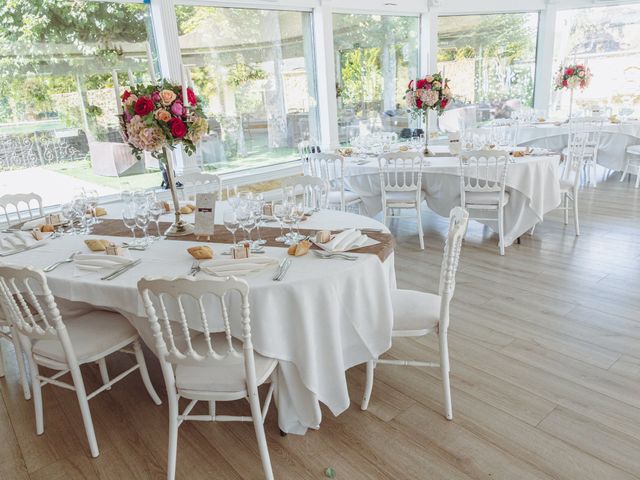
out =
column 297, row 214
column 232, row 196
column 279, row 212
column 129, row 219
column 231, row 223
column 247, row 221
column 139, row 198
column 92, row 200
column 142, row 221
column 80, row 207
column 67, row 212
column 155, row 210
column 258, row 206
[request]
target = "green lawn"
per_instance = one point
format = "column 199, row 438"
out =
column 82, row 170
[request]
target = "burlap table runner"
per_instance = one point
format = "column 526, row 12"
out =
column 116, row 228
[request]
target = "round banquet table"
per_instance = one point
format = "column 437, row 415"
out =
column 615, row 139
column 532, row 181
column 324, row 317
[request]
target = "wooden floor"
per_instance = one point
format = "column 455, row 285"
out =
column 545, row 350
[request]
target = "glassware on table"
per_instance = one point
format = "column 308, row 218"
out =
column 140, row 198
column 231, row 223
column 129, row 219
column 67, row 212
column 80, row 207
column 142, row 221
column 279, row 212
column 247, row 220
column 232, row 196
column 258, row 206
column 155, row 211
column 92, row 200
column 289, row 220
column 297, row 213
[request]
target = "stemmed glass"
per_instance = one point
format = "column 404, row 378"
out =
column 129, row 219
column 67, row 212
column 289, row 219
column 279, row 212
column 231, row 223
column 155, row 210
column 92, row 200
column 142, row 221
column 80, row 207
column 258, row 206
column 297, row 213
column 232, row 196
column 247, row 220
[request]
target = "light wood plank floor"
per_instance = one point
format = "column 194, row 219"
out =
column 545, row 347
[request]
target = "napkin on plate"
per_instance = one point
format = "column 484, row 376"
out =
column 98, row 261
column 346, row 240
column 16, row 241
column 227, row 267
column 31, row 224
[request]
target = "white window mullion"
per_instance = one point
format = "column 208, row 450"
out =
column 544, row 57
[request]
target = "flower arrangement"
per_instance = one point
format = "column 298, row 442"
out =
column 572, row 77
column 157, row 116
column 429, row 93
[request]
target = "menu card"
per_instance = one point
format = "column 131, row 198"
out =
column 205, row 214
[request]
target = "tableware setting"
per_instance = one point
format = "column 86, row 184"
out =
column 17, row 242
column 346, row 240
column 235, row 267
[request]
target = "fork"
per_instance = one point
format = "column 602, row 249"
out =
column 55, row 265
column 195, row 268
column 327, row 255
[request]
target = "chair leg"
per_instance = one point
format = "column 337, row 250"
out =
column 144, row 373
column 256, row 413
column 172, row 400
column 566, row 209
column 575, row 213
column 419, row 219
column 104, row 372
column 81, row 393
column 37, row 395
column 624, row 173
column 444, row 371
column 212, row 408
column 501, row 229
column 2, row 371
column 637, row 179
column 368, row 387
column 22, row 369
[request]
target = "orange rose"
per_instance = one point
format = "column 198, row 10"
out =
column 167, row 97
column 163, row 115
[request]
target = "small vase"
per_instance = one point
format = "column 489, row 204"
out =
column 179, row 227
column 426, row 152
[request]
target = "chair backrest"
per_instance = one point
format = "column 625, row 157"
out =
column 592, row 126
column 170, row 302
column 329, row 167
column 305, row 149
column 578, row 153
column 196, row 180
column 313, row 189
column 25, row 206
column 31, row 307
column 400, row 172
column 483, row 171
column 458, row 221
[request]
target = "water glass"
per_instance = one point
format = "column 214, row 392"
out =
column 155, row 210
column 279, row 212
column 142, row 221
column 231, row 223
column 129, row 219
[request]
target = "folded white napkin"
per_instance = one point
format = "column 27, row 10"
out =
column 242, row 266
column 99, row 261
column 31, row 224
column 346, row 240
column 16, row 241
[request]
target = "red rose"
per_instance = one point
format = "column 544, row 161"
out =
column 569, row 71
column 143, row 106
column 191, row 97
column 421, row 84
column 126, row 95
column 443, row 103
column 565, row 83
column 178, row 127
column 418, row 103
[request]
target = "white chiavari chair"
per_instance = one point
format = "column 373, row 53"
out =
column 205, row 366
column 200, row 183
column 330, row 167
column 66, row 345
column 22, row 206
column 416, row 314
column 8, row 331
column 632, row 165
column 314, row 190
column 483, row 175
column 592, row 127
column 570, row 179
column 401, row 186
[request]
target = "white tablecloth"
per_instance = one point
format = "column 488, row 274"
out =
column 323, row 318
column 614, row 140
column 532, row 182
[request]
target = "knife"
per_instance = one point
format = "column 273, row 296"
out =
column 279, row 270
column 121, row 270
column 14, row 252
column 284, row 271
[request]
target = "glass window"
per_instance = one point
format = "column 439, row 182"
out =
column 491, row 61
column 376, row 56
column 607, row 40
column 57, row 102
column 255, row 71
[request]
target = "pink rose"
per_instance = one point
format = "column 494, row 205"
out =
column 167, row 97
column 162, row 115
column 177, row 109
column 155, row 96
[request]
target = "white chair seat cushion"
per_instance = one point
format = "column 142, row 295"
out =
column 634, row 149
column 221, row 376
column 403, row 197
column 93, row 335
column 415, row 311
column 566, row 186
column 333, row 197
column 485, row 198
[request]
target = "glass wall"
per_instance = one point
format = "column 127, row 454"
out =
column 607, row 40
column 57, row 102
column 255, row 71
column 375, row 58
column 491, row 61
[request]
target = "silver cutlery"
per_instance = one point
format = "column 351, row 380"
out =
column 55, row 265
column 284, row 270
column 121, row 270
column 328, row 255
column 280, row 267
column 15, row 252
column 195, row 268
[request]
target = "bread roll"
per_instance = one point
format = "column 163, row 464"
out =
column 100, row 212
column 97, row 245
column 299, row 249
column 185, row 210
column 323, row 236
column 201, row 252
column 47, row 228
column 166, row 207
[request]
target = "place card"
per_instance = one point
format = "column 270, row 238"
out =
column 205, row 214
column 113, row 249
column 240, row 251
column 454, row 143
column 267, row 209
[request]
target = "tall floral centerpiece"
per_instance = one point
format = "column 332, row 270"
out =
column 571, row 77
column 429, row 93
column 156, row 118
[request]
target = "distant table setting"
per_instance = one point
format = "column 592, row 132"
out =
column 532, row 181
column 319, row 311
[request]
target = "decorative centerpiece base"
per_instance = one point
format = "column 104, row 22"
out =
column 179, row 228
column 427, row 153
